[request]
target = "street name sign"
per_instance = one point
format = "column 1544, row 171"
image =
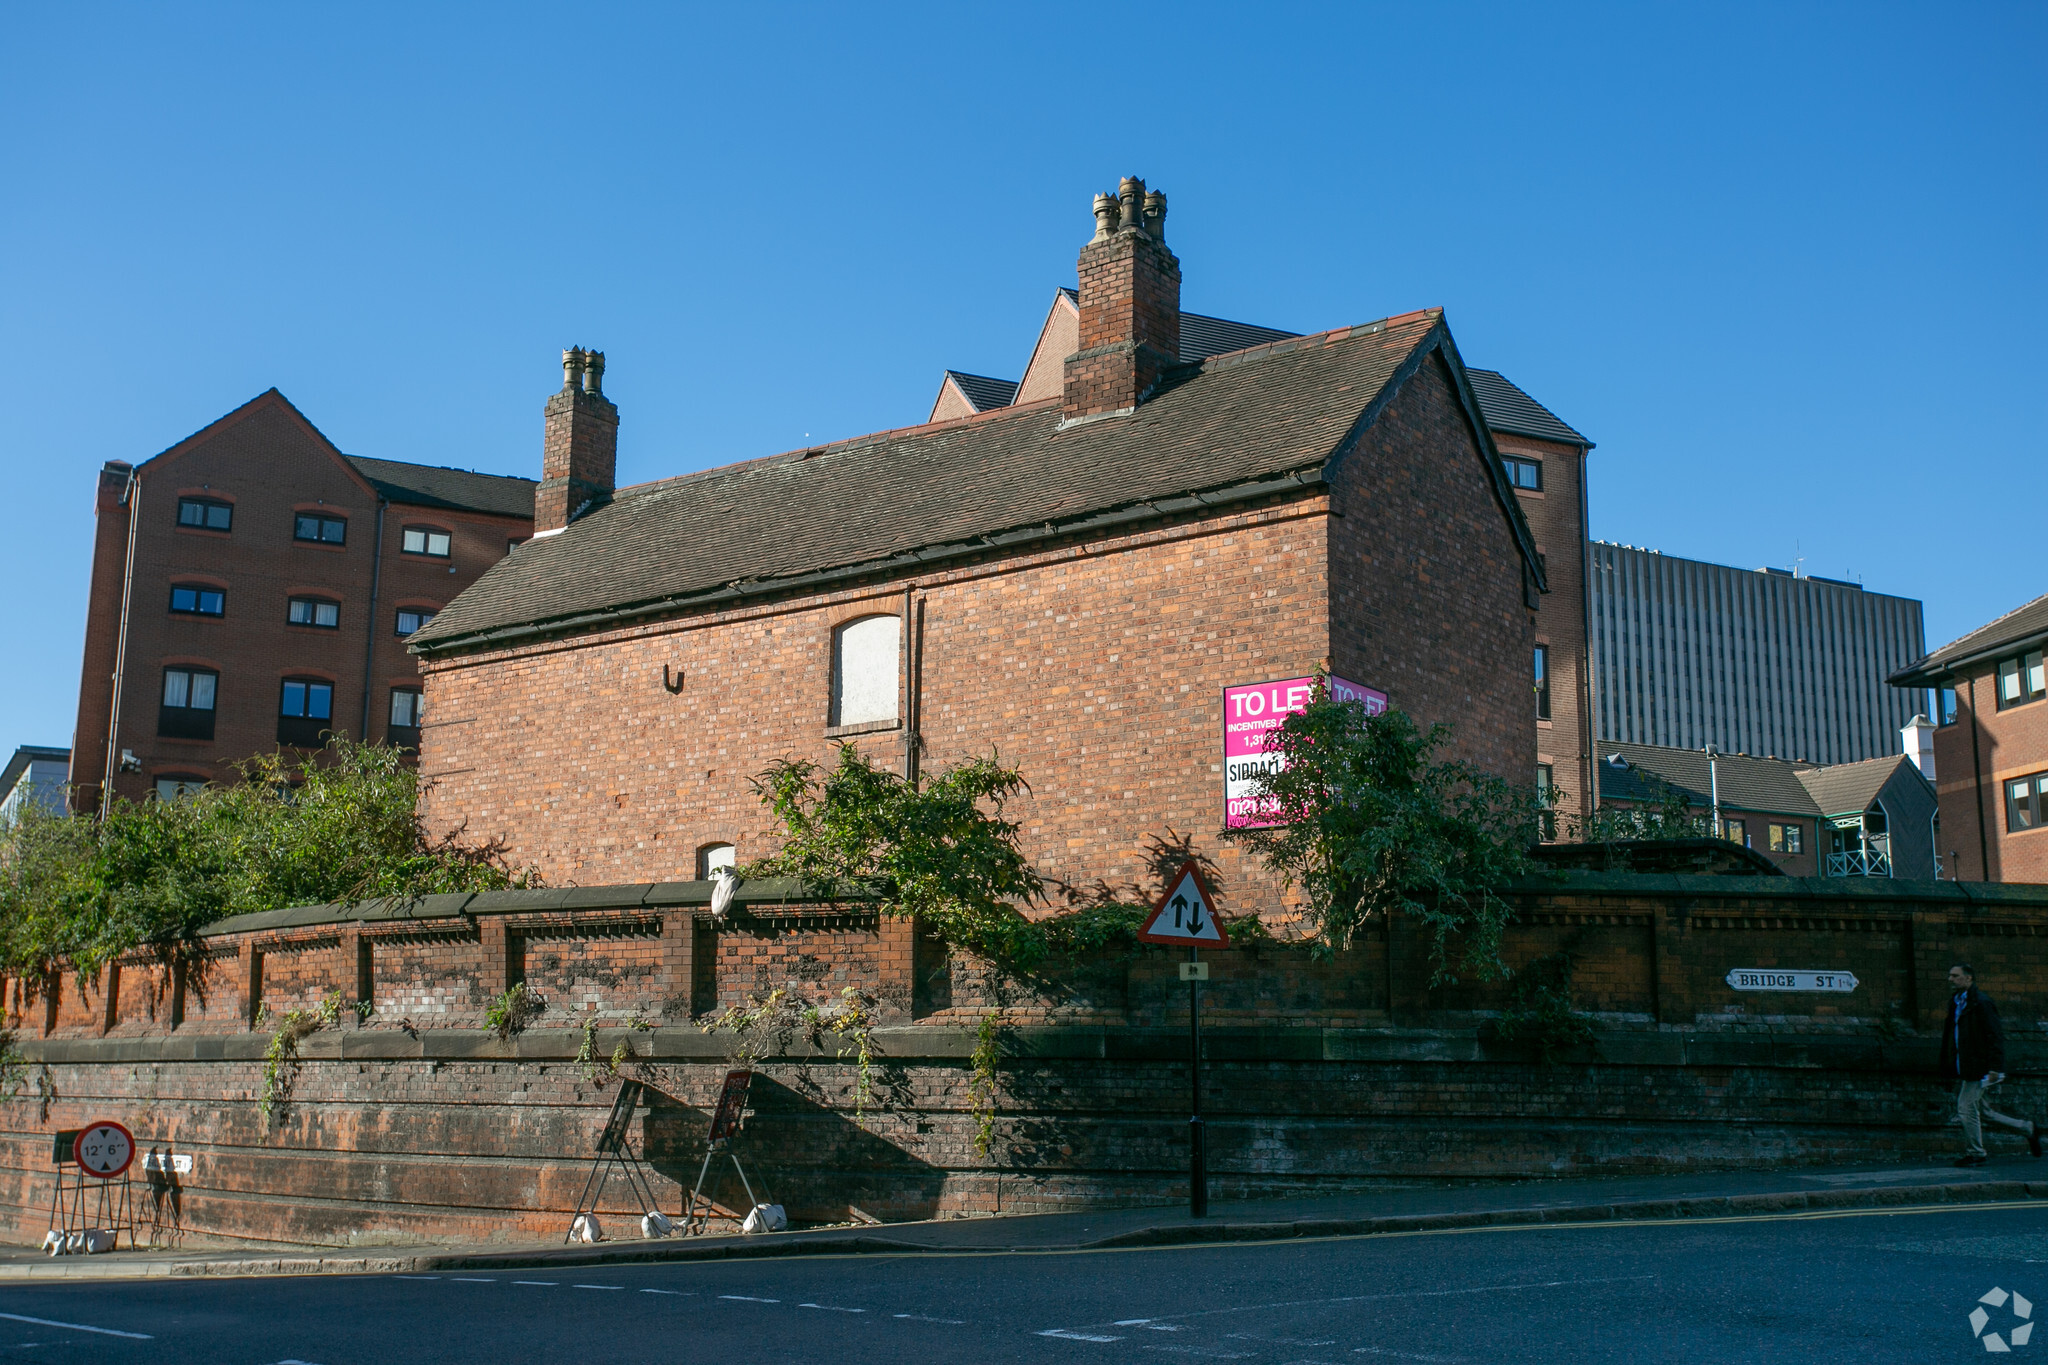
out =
column 1772, row 979
column 1185, row 915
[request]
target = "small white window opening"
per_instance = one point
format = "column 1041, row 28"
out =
column 711, row 857
column 864, row 659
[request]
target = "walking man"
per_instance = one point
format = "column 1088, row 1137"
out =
column 1973, row 1052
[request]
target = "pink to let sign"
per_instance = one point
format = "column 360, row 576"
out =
column 1251, row 712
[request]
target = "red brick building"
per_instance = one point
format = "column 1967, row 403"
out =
column 252, row 586
column 1069, row 581
column 1991, row 746
column 1545, row 461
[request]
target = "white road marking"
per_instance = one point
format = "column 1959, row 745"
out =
column 679, row 1293
column 415, row 1277
column 458, row 1279
column 919, row 1317
column 1065, row 1335
column 1402, row 1355
column 747, row 1298
column 78, row 1327
column 832, row 1308
column 597, row 1286
column 542, row 1284
column 1281, row 1341
column 1408, row 1294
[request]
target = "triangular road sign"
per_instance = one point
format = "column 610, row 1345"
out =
column 1186, row 914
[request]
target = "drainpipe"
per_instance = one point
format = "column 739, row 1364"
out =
column 1977, row 762
column 132, row 495
column 370, row 644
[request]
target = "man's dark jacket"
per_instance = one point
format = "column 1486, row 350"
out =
column 1981, row 1042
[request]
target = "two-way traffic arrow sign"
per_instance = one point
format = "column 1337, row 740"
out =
column 1186, row 914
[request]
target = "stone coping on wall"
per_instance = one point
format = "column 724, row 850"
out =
column 764, row 898
column 769, row 896
column 1022, row 1046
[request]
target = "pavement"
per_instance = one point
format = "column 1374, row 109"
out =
column 1690, row 1195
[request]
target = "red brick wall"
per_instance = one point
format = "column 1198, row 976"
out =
column 1555, row 514
column 1971, row 786
column 1426, row 579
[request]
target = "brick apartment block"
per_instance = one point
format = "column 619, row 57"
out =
column 253, row 555
column 1991, row 746
column 1068, row 581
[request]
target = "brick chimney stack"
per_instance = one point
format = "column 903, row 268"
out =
column 1130, row 305
column 579, row 444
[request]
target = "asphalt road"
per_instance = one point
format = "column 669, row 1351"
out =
column 1867, row 1287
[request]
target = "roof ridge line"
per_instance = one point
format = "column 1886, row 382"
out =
column 1328, row 337
column 2032, row 601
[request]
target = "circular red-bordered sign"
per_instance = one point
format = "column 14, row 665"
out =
column 103, row 1149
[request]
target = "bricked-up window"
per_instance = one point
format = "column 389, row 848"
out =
column 2021, row 680
column 172, row 786
column 425, row 540
column 405, row 710
column 711, row 857
column 326, row 530
column 196, row 599
column 312, row 611
column 188, row 697
column 2026, row 802
column 1543, row 682
column 205, row 514
column 411, row 619
column 305, row 711
column 1945, row 701
column 1523, row 473
column 1788, row 838
column 864, row 658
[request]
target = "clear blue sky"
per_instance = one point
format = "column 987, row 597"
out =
column 1784, row 264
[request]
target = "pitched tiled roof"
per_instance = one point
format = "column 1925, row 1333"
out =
column 1256, row 423
column 1509, row 409
column 983, row 392
column 1202, row 336
column 1759, row 784
column 2025, row 625
column 1846, row 788
column 420, row 485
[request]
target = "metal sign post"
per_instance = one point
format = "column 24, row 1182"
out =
column 1187, row 914
column 615, row 1150
column 726, row 1121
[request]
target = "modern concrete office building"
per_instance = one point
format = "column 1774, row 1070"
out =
column 1754, row 661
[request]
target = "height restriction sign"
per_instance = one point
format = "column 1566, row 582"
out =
column 1186, row 914
column 104, row 1149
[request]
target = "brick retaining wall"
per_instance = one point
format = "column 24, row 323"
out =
column 1321, row 1074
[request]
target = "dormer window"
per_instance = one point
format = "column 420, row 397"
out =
column 1523, row 473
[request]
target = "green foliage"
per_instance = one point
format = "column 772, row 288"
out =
column 1247, row 931
column 981, row 1082
column 337, row 826
column 510, row 1013
column 593, row 1067
column 1670, row 816
column 1539, row 1013
column 281, row 1058
column 766, row 1025
column 1107, row 922
column 939, row 850
column 1376, row 824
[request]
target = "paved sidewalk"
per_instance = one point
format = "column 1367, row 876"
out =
column 1409, row 1210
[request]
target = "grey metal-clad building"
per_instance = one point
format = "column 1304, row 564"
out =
column 1755, row 661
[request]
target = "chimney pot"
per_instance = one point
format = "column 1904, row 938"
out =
column 572, row 368
column 1132, row 194
column 593, row 372
column 1155, row 215
column 1105, row 216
